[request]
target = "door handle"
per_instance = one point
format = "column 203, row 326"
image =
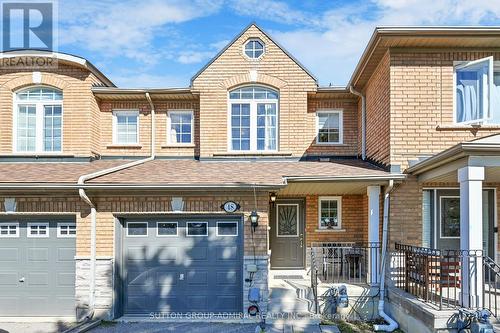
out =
column 22, row 279
column 301, row 240
column 181, row 277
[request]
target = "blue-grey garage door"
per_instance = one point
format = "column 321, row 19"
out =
column 182, row 265
column 37, row 267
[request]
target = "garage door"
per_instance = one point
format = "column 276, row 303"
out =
column 182, row 265
column 37, row 267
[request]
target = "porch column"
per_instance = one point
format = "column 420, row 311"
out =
column 471, row 233
column 373, row 193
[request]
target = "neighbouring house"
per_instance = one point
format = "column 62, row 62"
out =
column 139, row 201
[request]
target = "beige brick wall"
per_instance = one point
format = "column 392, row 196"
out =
column 118, row 205
column 421, row 96
column 80, row 135
column 276, row 69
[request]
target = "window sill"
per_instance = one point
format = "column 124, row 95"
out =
column 188, row 145
column 41, row 154
column 324, row 144
column 467, row 127
column 253, row 153
column 330, row 230
column 124, row 146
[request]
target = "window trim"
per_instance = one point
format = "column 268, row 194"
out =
column 30, row 224
column 137, row 222
column 253, row 120
column 16, row 224
column 187, row 228
column 39, row 124
column 69, row 224
column 277, row 220
column 222, row 222
column 441, row 197
column 252, row 40
column 339, row 211
column 340, row 112
column 127, row 112
column 176, row 229
column 169, row 127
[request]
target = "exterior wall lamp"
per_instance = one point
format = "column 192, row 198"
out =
column 272, row 197
column 254, row 220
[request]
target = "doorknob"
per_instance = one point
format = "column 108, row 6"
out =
column 21, row 279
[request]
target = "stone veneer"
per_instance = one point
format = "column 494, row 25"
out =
column 260, row 280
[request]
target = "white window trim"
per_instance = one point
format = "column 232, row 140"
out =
column 126, row 112
column 251, row 40
column 29, row 235
column 16, row 235
column 339, row 212
column 488, row 112
column 277, row 219
column 187, row 229
column 225, row 222
column 340, row 112
column 137, row 222
column 441, row 215
column 169, row 128
column 60, row 235
column 39, row 121
column 176, row 229
column 253, row 124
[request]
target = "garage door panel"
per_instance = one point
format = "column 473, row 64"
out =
column 226, row 303
column 9, row 278
column 167, row 254
column 138, row 278
column 9, row 254
column 40, row 279
column 197, row 278
column 65, row 279
column 166, row 277
column 229, row 277
column 38, row 254
column 225, row 253
column 198, row 253
column 66, row 254
column 198, row 303
column 10, row 305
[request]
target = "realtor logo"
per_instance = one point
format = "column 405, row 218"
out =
column 28, row 25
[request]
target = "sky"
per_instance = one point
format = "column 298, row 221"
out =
column 163, row 43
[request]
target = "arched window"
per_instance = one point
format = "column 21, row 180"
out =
column 38, row 120
column 254, row 119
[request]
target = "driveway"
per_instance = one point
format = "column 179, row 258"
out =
column 56, row 327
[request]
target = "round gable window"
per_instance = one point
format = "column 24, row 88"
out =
column 254, row 48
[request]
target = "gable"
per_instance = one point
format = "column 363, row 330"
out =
column 233, row 58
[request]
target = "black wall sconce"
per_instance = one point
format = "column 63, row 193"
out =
column 254, row 220
column 272, row 198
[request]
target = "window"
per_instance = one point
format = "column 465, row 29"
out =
column 227, row 228
column 126, row 127
column 66, row 230
column 137, row 229
column 477, row 92
column 450, row 217
column 330, row 212
column 287, row 216
column 254, row 48
column 38, row 230
column 180, row 127
column 253, row 119
column 165, row 229
column 197, row 228
column 329, row 127
column 38, row 120
column 9, row 230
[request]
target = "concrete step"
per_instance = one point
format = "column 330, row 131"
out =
column 295, row 305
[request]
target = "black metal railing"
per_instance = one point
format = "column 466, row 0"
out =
column 447, row 279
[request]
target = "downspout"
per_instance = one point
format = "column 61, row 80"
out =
column 392, row 324
column 363, row 121
column 93, row 210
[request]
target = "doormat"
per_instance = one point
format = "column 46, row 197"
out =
column 289, row 277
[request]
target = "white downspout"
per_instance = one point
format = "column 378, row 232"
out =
column 93, row 210
column 363, row 121
column 392, row 324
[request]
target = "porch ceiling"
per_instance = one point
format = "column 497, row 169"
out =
column 491, row 175
column 329, row 188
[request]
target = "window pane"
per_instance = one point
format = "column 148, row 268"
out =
column 197, row 228
column 137, row 229
column 167, row 229
column 329, row 214
column 26, row 128
column 227, row 228
column 126, row 128
column 450, row 217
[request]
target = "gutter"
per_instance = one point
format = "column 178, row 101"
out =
column 343, row 178
column 16, row 186
column 392, row 324
column 363, row 121
column 93, row 209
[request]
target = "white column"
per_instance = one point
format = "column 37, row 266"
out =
column 373, row 193
column 471, row 233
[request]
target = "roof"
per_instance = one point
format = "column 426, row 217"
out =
column 62, row 57
column 237, row 37
column 192, row 173
column 483, row 146
column 383, row 38
column 113, row 93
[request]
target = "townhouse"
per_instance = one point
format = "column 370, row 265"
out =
column 136, row 201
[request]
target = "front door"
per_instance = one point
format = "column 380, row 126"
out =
column 448, row 220
column 287, row 235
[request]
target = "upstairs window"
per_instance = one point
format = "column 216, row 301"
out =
column 254, row 48
column 253, row 119
column 126, row 127
column 329, row 127
column 180, row 127
column 477, row 92
column 38, row 120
